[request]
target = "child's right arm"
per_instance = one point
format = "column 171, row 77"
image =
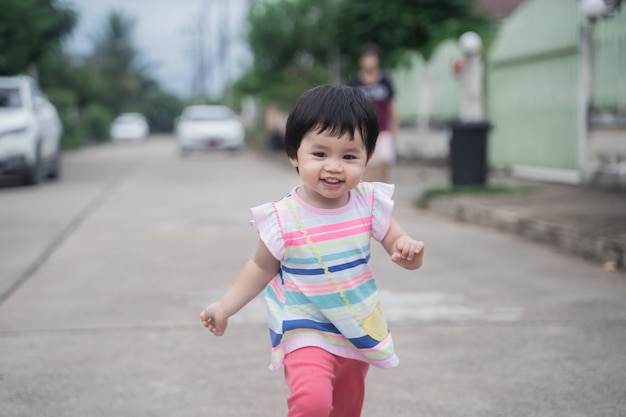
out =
column 254, row 276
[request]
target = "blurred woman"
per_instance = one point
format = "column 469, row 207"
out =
column 378, row 88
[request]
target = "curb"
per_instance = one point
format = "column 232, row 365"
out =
column 609, row 252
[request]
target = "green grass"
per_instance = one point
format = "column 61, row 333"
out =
column 431, row 193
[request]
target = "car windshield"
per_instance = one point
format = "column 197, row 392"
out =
column 208, row 113
column 10, row 98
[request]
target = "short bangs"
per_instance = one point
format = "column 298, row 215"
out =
column 336, row 110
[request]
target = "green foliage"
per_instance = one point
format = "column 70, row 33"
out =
column 291, row 41
column 161, row 109
column 89, row 92
column 96, row 119
column 29, row 29
column 296, row 42
column 65, row 100
column 287, row 33
column 397, row 26
column 281, row 87
column 116, row 64
column 111, row 80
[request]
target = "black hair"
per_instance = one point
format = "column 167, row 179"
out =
column 369, row 48
column 335, row 109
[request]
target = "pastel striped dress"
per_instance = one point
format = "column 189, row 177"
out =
column 304, row 306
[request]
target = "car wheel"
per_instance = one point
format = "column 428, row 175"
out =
column 55, row 166
column 34, row 173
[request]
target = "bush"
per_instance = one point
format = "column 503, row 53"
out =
column 65, row 103
column 95, row 122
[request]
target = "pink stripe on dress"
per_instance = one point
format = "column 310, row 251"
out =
column 329, row 228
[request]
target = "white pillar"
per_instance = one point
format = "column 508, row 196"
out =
column 584, row 98
column 471, row 78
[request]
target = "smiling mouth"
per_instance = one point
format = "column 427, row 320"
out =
column 332, row 181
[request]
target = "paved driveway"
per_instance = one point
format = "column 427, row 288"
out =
column 104, row 273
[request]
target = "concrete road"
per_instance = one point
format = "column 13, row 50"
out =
column 103, row 274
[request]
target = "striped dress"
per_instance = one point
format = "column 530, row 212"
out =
column 305, row 306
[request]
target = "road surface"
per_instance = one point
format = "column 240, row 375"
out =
column 103, row 274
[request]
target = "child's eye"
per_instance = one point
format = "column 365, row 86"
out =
column 319, row 154
column 349, row 157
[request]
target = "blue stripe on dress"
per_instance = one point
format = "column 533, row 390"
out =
column 309, row 324
column 275, row 338
column 364, row 342
column 320, row 271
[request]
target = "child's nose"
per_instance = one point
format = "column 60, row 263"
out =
column 334, row 166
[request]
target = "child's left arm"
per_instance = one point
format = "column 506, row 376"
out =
column 403, row 249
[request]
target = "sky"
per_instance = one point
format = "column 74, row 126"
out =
column 163, row 34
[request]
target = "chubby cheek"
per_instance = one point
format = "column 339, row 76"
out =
column 357, row 173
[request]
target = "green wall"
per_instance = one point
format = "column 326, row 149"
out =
column 407, row 82
column 532, row 75
column 609, row 64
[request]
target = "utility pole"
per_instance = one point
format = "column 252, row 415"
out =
column 197, row 32
column 225, row 46
column 334, row 55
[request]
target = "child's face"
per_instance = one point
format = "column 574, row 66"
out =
column 329, row 167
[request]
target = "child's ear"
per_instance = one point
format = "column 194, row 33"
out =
column 294, row 162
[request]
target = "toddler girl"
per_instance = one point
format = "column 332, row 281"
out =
column 312, row 259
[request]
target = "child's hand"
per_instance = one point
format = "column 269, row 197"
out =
column 213, row 319
column 408, row 252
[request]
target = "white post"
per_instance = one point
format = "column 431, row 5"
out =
column 592, row 10
column 584, row 98
column 423, row 105
column 471, row 78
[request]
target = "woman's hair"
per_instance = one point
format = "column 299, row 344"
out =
column 369, row 49
column 337, row 110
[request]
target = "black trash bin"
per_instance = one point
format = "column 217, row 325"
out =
column 468, row 152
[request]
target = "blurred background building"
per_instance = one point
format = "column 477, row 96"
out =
column 536, row 88
column 554, row 84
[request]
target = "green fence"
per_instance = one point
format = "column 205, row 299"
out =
column 407, row 80
column 532, row 75
column 609, row 65
column 445, row 95
column 532, row 83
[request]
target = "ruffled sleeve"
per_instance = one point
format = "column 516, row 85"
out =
column 383, row 209
column 265, row 220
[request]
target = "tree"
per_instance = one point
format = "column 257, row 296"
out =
column 291, row 41
column 297, row 43
column 89, row 91
column 116, row 63
column 29, row 29
column 397, row 26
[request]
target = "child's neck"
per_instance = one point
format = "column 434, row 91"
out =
column 316, row 200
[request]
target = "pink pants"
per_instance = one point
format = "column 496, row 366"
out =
column 324, row 385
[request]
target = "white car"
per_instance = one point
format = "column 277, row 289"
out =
column 30, row 131
column 129, row 126
column 202, row 127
